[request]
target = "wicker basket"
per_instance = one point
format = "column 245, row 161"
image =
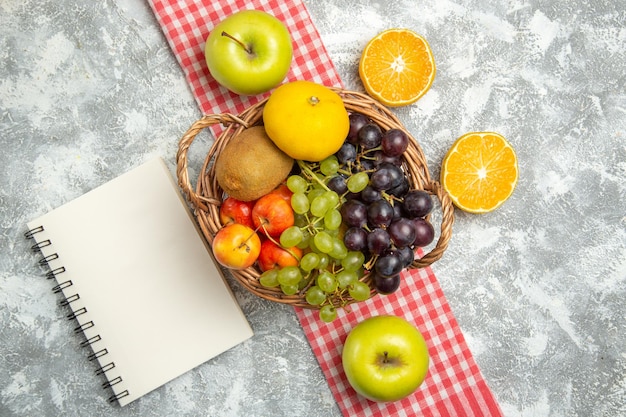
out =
column 207, row 196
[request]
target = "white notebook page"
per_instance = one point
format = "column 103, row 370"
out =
column 145, row 276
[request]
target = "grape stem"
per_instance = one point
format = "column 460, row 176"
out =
column 344, row 171
column 390, row 198
column 262, row 226
column 311, row 175
column 311, row 280
column 370, row 264
column 312, row 226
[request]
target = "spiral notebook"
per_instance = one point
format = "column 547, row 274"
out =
column 139, row 281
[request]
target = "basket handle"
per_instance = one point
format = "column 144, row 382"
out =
column 182, row 166
column 447, row 219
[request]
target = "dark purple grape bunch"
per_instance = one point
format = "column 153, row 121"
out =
column 386, row 220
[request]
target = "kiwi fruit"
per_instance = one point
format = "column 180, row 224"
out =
column 251, row 165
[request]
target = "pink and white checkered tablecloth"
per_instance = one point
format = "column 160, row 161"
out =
column 454, row 385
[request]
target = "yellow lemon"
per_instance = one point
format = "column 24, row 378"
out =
column 306, row 120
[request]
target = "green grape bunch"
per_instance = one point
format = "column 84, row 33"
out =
column 328, row 274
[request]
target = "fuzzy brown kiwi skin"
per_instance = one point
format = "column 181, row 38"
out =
column 251, row 165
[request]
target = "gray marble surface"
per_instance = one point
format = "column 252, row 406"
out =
column 90, row 89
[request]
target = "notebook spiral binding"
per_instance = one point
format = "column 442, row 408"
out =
column 67, row 301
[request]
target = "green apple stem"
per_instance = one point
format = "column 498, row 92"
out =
column 243, row 45
column 386, row 358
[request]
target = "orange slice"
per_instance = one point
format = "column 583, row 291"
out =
column 397, row 67
column 479, row 172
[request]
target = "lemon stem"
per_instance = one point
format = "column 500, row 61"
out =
column 313, row 100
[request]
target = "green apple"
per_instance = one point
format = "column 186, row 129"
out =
column 385, row 358
column 249, row 52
